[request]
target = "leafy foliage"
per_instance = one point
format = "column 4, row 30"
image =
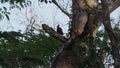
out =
column 100, row 56
column 12, row 1
column 4, row 12
column 27, row 50
column 16, row 4
column 37, row 50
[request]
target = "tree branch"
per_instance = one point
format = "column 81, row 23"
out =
column 66, row 13
column 53, row 33
column 112, row 37
column 113, row 5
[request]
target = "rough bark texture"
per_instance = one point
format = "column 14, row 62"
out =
column 113, row 4
column 71, row 54
column 112, row 37
column 79, row 19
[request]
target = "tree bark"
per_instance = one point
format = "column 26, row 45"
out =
column 112, row 37
column 68, row 56
column 53, row 33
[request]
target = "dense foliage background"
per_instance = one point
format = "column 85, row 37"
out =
column 27, row 50
column 34, row 50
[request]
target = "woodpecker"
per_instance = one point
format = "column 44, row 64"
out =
column 59, row 29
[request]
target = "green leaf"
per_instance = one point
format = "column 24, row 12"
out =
column 42, row 0
column 1, row 16
column 5, row 9
column 21, row 4
column 46, row 1
column 7, row 16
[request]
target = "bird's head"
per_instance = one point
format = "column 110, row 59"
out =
column 58, row 25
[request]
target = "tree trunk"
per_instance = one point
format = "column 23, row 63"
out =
column 79, row 51
column 74, row 55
